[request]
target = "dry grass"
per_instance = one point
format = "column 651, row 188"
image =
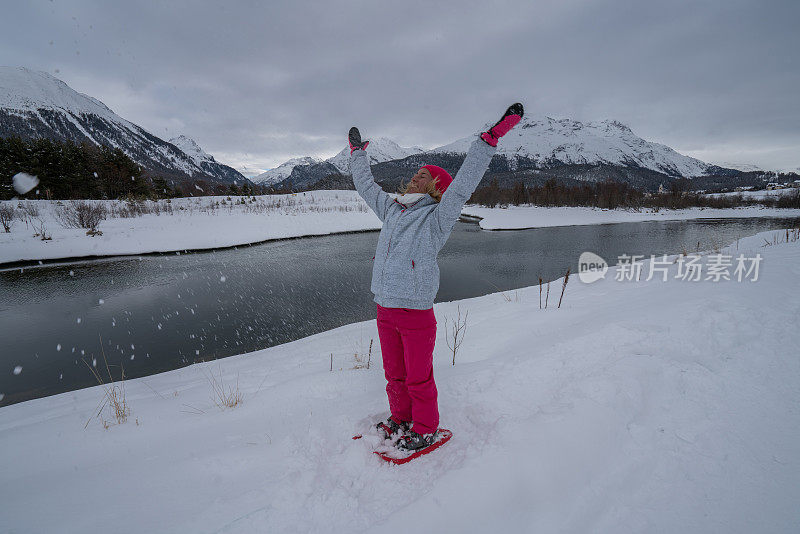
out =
column 225, row 396
column 360, row 351
column 363, row 360
column 268, row 204
column 789, row 235
column 114, row 397
column 563, row 287
column 505, row 295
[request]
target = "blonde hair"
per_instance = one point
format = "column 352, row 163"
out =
column 431, row 189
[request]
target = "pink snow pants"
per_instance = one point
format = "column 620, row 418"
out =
column 407, row 339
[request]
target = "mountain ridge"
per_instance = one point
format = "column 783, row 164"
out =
column 36, row 104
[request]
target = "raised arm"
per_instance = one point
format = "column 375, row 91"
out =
column 472, row 170
column 467, row 179
column 375, row 197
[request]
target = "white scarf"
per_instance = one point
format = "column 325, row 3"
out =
column 409, row 198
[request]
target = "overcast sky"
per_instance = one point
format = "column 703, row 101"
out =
column 255, row 83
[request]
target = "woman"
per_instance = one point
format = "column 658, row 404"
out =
column 405, row 274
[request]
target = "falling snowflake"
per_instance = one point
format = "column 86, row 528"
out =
column 17, row 369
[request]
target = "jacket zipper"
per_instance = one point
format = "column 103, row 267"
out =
column 389, row 246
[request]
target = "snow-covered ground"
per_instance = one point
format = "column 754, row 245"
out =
column 204, row 223
column 518, row 217
column 194, row 224
column 639, row 406
column 760, row 194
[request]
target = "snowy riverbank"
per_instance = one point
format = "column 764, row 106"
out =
column 520, row 217
column 639, row 406
column 205, row 222
column 190, row 224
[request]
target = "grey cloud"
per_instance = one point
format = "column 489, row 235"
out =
column 260, row 82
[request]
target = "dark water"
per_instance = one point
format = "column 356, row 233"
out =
column 156, row 313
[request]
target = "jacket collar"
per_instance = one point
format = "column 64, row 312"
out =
column 413, row 199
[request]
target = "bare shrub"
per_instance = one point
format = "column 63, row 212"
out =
column 81, row 214
column 29, row 209
column 454, row 335
column 7, row 216
column 41, row 229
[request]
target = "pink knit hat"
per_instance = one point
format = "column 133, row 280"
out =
column 442, row 175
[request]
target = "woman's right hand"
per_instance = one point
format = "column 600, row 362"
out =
column 354, row 138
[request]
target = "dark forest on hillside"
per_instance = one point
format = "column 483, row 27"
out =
column 68, row 170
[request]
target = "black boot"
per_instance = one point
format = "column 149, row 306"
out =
column 391, row 428
column 411, row 441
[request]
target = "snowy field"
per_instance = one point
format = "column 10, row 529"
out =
column 519, row 217
column 639, row 406
column 760, row 194
column 193, row 224
column 205, row 223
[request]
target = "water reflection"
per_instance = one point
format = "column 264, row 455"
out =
column 155, row 313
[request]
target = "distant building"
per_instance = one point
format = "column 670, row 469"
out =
column 661, row 189
column 773, row 185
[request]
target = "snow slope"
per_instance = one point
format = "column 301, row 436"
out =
column 24, row 89
column 283, row 170
column 548, row 141
column 37, row 104
column 760, row 194
column 195, row 224
column 380, row 149
column 636, row 407
column 519, row 217
column 190, row 147
column 206, row 161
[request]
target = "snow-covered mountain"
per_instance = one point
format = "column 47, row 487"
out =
column 35, row 104
column 303, row 173
column 547, row 142
column 537, row 149
column 283, row 170
column 206, row 161
column 380, row 149
column 744, row 167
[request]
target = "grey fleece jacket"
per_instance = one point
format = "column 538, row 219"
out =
column 405, row 273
